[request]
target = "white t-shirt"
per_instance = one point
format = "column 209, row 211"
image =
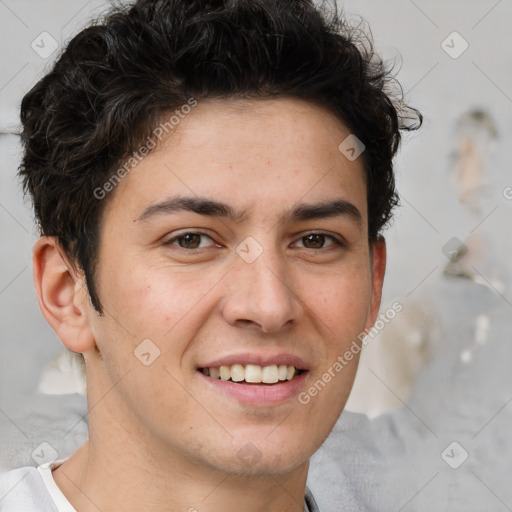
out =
column 32, row 489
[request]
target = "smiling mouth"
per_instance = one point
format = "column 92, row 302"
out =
column 252, row 373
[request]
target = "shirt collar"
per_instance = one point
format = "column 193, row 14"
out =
column 309, row 502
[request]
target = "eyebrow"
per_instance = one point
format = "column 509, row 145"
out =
column 212, row 208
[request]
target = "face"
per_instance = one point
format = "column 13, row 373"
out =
column 238, row 247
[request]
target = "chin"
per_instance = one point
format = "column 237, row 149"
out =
column 251, row 460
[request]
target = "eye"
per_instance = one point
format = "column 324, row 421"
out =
column 317, row 241
column 192, row 240
column 189, row 240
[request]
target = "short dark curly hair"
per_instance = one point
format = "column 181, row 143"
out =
column 118, row 77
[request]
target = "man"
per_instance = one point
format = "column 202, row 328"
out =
column 211, row 180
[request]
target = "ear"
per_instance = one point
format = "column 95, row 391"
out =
column 378, row 261
column 62, row 295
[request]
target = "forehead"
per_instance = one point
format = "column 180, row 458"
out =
column 248, row 153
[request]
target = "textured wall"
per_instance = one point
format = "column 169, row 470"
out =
column 441, row 366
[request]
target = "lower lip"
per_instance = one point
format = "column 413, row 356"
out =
column 259, row 394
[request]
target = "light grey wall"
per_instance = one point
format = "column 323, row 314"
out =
column 26, row 339
column 444, row 88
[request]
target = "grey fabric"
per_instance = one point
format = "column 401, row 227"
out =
column 309, row 502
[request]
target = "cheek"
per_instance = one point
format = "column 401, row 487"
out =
column 165, row 304
column 145, row 299
column 341, row 301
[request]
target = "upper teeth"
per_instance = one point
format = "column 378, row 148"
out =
column 252, row 373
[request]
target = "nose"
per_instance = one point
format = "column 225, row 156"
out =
column 260, row 295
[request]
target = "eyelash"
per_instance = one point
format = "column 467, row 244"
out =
column 182, row 235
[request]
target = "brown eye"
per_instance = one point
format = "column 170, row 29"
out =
column 314, row 241
column 190, row 240
column 317, row 241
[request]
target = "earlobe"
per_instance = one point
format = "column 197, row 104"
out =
column 61, row 296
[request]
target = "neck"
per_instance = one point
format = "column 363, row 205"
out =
column 122, row 468
column 93, row 479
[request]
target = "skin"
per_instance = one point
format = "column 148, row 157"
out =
column 175, row 440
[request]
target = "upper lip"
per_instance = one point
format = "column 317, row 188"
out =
column 257, row 359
